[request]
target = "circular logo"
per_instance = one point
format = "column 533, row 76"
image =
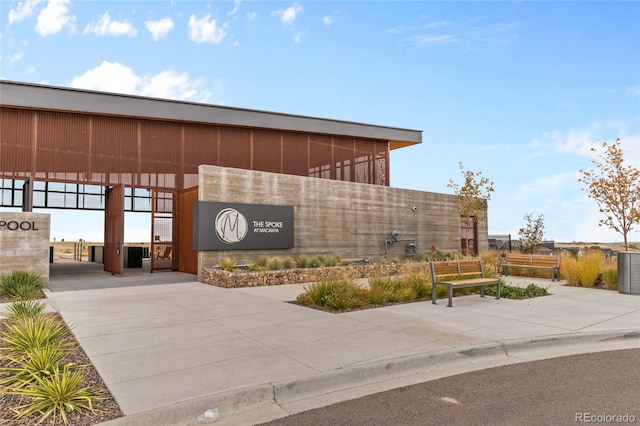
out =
column 231, row 226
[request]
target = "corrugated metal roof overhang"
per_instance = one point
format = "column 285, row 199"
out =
column 36, row 96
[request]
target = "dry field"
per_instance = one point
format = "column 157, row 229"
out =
column 619, row 246
column 71, row 249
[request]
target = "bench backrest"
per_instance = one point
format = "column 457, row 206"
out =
column 545, row 260
column 533, row 259
column 456, row 268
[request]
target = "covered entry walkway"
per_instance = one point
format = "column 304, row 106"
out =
column 70, row 275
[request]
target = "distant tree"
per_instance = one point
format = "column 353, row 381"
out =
column 471, row 199
column 533, row 232
column 616, row 188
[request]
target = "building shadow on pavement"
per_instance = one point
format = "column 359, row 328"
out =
column 71, row 275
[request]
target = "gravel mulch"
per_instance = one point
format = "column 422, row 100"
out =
column 105, row 408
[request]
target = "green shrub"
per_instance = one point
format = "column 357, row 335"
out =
column 513, row 292
column 316, row 262
column 262, row 260
column 256, row 268
column 24, row 309
column 394, row 289
column 610, row 277
column 228, row 265
column 420, row 288
column 274, row 263
column 302, row 261
column 288, row 263
column 22, row 285
column 55, row 395
column 332, row 261
column 335, row 294
column 377, row 296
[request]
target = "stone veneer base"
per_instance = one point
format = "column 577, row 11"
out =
column 226, row 279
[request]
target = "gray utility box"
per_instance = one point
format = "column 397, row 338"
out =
column 629, row 272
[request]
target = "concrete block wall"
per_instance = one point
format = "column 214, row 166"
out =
column 351, row 220
column 24, row 243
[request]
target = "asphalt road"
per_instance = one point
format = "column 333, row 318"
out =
column 598, row 388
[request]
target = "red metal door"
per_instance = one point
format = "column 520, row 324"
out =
column 114, row 229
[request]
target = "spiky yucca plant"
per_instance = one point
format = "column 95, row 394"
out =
column 24, row 309
column 22, row 285
column 34, row 363
column 54, row 396
column 38, row 332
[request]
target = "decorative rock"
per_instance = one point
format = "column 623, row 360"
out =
column 226, row 279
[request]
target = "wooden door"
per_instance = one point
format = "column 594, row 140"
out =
column 188, row 257
column 114, row 229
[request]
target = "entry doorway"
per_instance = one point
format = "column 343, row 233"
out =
column 469, row 236
column 162, row 240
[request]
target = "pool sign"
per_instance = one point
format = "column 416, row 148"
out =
column 235, row 226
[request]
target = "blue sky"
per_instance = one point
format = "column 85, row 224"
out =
column 517, row 90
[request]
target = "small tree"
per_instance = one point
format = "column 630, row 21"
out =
column 471, row 199
column 532, row 234
column 616, row 189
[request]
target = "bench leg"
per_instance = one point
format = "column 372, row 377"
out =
column 433, row 294
column 498, row 291
column 481, row 291
column 450, row 305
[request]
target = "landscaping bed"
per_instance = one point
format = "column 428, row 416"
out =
column 105, row 407
column 45, row 375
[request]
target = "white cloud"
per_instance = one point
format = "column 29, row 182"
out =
column 109, row 77
column 581, row 141
column 327, row 20
column 577, row 141
column 633, row 91
column 288, row 15
column 167, row 84
column 206, row 29
column 107, row 26
column 434, row 39
column 16, row 57
column 496, row 33
column 252, row 16
column 397, row 30
column 545, row 184
column 439, row 24
column 31, row 70
column 236, row 5
column 54, row 17
column 23, row 10
column 297, row 38
column 160, row 28
column 170, row 85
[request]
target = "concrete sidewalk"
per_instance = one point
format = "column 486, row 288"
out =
column 170, row 351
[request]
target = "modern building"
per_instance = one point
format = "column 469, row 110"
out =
column 291, row 184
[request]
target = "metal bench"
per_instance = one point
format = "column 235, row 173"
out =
column 532, row 261
column 459, row 274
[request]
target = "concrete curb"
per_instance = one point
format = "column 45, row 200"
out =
column 228, row 403
column 385, row 369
